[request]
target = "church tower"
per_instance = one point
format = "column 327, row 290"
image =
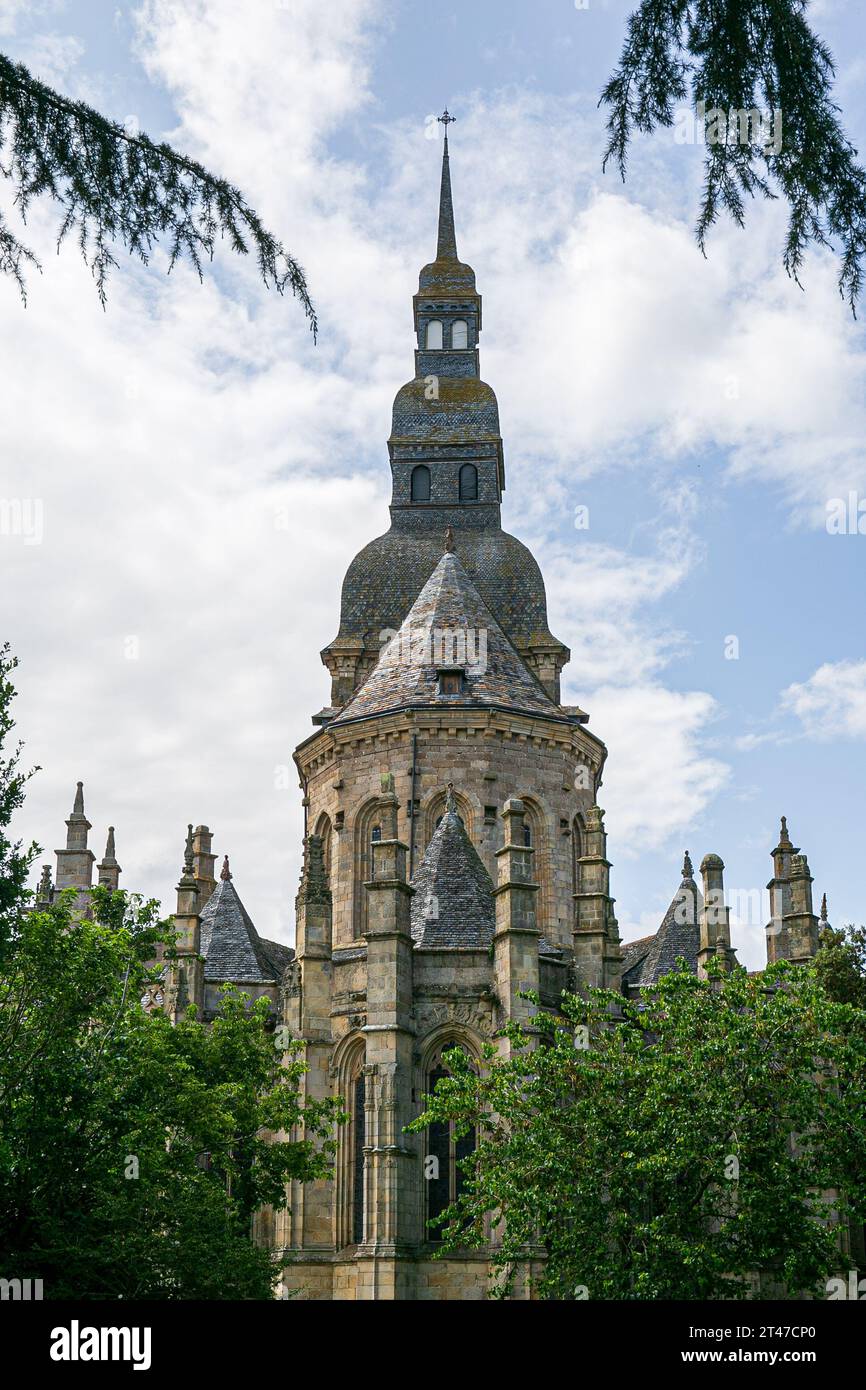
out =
column 455, row 853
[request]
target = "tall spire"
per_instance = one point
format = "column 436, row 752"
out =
column 446, row 245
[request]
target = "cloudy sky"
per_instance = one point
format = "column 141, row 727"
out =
column 206, row 473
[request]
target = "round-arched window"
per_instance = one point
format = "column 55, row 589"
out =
column 469, row 483
column 421, row 483
column 434, row 335
column 460, row 334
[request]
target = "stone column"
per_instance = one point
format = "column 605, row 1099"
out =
column 307, row 1014
column 185, row 972
column 391, row 1209
column 516, row 934
column 597, row 952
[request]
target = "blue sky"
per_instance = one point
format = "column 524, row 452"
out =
column 704, row 410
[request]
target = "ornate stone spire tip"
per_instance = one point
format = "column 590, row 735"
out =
column 824, row 907
column 450, row 799
column 225, row 872
column 449, row 541
column 187, row 852
column 688, row 871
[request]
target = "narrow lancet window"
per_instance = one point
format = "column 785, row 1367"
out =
column 434, row 335
column 460, row 334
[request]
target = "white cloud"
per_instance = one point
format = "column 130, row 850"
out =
column 660, row 780
column 832, row 702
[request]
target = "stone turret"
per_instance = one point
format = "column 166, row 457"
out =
column 802, row 923
column 108, row 869
column 203, row 861
column 715, row 917
column 75, row 862
column 792, row 932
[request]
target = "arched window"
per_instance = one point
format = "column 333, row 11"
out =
column 367, row 830
column 359, row 1136
column 527, row 835
column 460, row 334
column 445, row 1177
column 421, row 483
column 576, row 852
column 434, row 335
column 323, row 830
column 469, row 483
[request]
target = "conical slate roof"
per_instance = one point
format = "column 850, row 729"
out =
column 453, row 902
column 449, row 627
column 230, row 944
column 647, row 960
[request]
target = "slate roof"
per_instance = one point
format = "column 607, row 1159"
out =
column 651, row 957
column 231, row 946
column 385, row 578
column 453, row 902
column 406, row 674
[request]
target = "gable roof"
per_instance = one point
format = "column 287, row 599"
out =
column 449, row 626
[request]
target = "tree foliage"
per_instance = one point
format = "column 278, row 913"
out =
column 134, row 1154
column 688, row 1148
column 15, row 862
column 841, row 964
column 116, row 188
column 736, row 55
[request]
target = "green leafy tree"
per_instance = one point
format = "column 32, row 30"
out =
column 15, row 862
column 133, row 1154
column 734, row 56
column 121, row 189
column 659, row 1162
column 841, row 964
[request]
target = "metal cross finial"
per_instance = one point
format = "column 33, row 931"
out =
column 447, row 119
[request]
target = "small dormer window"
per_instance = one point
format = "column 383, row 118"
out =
column 450, row 682
column 460, row 334
column 434, row 335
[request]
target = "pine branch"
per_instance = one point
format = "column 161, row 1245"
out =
column 118, row 189
column 738, row 56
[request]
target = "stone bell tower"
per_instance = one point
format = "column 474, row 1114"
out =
column 455, row 853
